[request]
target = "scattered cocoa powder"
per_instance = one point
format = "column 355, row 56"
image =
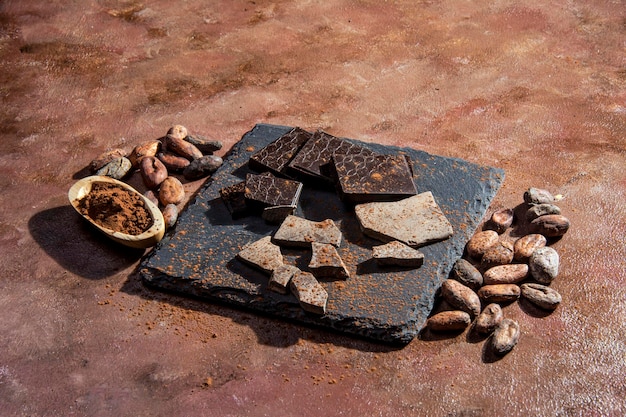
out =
column 115, row 208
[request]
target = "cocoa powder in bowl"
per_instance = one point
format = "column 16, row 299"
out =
column 115, row 208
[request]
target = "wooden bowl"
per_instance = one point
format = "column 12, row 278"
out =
column 144, row 240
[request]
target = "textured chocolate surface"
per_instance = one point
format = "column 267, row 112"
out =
column 198, row 259
column 364, row 177
column 276, row 156
column 266, row 190
column 234, row 198
column 308, row 163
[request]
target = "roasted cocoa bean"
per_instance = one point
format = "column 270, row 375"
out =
column 467, row 274
column 544, row 265
column 173, row 162
column 106, row 157
column 171, row 191
column 206, row 146
column 178, row 131
column 152, row 171
column 118, row 168
column 489, row 319
column 526, row 245
column 170, row 215
column 541, row 210
column 550, row 225
column 499, row 293
column 150, row 148
column 202, row 167
column 449, row 321
column 540, row 295
column 499, row 254
column 480, row 242
column 152, row 197
column 460, row 297
column 535, row 196
column 505, row 274
column 182, row 148
column 501, row 220
column 505, row 337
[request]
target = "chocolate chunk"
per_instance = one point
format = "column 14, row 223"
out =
column 397, row 254
column 277, row 214
column 276, row 156
column 366, row 177
column 299, row 232
column 318, row 151
column 262, row 254
column 326, row 262
column 281, row 277
column 311, row 295
column 266, row 190
column 414, row 221
column 234, row 198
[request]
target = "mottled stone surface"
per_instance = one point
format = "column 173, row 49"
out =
column 364, row 305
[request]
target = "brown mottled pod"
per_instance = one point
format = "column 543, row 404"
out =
column 501, row 220
column 173, row 162
column 489, row 319
column 499, row 254
column 550, row 225
column 526, row 245
column 182, row 148
column 449, row 321
column 170, row 215
column 152, row 171
column 202, row 167
column 460, row 297
column 505, row 337
column 499, row 293
column 150, row 148
column 106, row 157
column 171, row 191
column 505, row 274
column 480, row 242
column 178, row 131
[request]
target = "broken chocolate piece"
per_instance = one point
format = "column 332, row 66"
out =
column 415, row 221
column 235, row 201
column 397, row 254
column 279, row 281
column 277, row 214
column 276, row 156
column 310, row 293
column 262, row 254
column 363, row 178
column 266, row 190
column 299, row 232
column 326, row 262
column 317, row 152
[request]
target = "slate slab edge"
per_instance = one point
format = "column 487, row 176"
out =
column 154, row 272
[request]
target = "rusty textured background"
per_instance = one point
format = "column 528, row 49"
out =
column 536, row 88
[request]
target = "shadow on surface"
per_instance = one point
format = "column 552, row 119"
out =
column 77, row 246
column 269, row 331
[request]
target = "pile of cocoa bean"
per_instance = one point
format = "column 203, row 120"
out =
column 162, row 163
column 508, row 259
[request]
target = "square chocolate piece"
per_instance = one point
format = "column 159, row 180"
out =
column 267, row 190
column 234, row 198
column 276, row 156
column 363, row 178
column 318, row 151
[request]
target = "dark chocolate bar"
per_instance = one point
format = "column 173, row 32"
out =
column 362, row 178
column 275, row 156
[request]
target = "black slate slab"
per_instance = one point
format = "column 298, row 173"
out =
column 383, row 304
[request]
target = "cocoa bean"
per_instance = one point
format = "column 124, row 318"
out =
column 202, row 167
column 489, row 319
column 460, row 297
column 106, row 157
column 467, row 274
column 526, row 245
column 480, row 242
column 150, row 148
column 152, row 197
column 152, row 171
column 540, row 295
column 182, row 148
column 501, row 220
column 170, row 215
column 499, row 293
column 171, row 191
column 449, row 321
column 118, row 168
column 178, row 131
column 499, row 254
column 535, row 196
column 173, row 162
column 544, row 265
column 541, row 210
column 550, row 225
column 505, row 274
column 206, row 146
column 505, row 337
